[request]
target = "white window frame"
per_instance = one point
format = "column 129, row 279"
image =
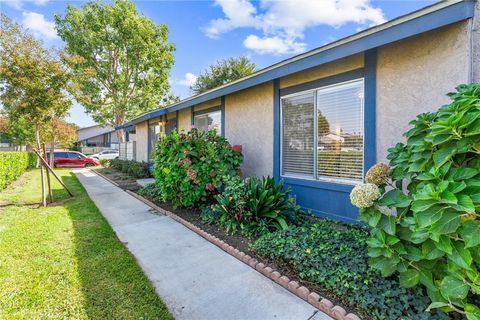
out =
column 316, row 177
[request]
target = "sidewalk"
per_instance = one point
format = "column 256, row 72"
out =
column 196, row 279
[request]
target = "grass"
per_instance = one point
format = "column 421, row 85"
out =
column 64, row 261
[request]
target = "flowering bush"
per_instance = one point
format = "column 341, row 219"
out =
column 191, row 167
column 378, row 174
column 426, row 225
column 363, row 195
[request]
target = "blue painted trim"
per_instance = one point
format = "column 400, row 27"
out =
column 370, row 92
column 423, row 23
column 149, row 139
column 318, row 184
column 276, row 129
column 315, row 84
column 222, row 109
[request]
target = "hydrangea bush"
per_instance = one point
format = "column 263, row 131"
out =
column 191, row 167
column 426, row 224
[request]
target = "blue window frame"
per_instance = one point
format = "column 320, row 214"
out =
column 322, row 195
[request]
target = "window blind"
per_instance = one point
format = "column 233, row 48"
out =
column 340, row 134
column 298, row 135
column 325, row 125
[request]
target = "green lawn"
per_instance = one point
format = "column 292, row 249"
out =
column 64, row 261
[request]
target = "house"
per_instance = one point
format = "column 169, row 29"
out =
column 96, row 138
column 321, row 119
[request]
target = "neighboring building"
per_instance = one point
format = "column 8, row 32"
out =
column 321, row 119
column 96, row 138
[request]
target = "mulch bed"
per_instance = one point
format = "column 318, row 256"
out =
column 123, row 180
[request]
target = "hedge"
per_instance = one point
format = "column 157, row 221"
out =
column 135, row 169
column 13, row 164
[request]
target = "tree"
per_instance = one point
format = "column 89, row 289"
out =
column 61, row 134
column 120, row 59
column 222, row 72
column 32, row 83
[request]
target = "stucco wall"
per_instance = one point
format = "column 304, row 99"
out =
column 249, row 122
column 208, row 104
column 414, row 76
column 335, row 67
column 184, row 119
column 141, row 137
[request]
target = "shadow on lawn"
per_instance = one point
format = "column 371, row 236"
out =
column 113, row 285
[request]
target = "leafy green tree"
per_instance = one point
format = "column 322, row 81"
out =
column 32, row 84
column 120, row 59
column 222, row 72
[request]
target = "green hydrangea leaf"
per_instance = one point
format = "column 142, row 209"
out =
column 453, row 288
column 409, row 278
column 470, row 233
column 461, row 256
column 472, row 312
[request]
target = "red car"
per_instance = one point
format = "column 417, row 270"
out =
column 72, row 159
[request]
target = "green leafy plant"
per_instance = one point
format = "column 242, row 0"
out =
column 151, row 192
column 334, row 255
column 13, row 164
column 133, row 168
column 191, row 167
column 252, row 206
column 426, row 224
column 105, row 163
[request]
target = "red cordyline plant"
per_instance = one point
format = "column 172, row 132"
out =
column 425, row 210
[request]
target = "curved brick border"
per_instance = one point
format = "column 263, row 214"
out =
column 325, row 305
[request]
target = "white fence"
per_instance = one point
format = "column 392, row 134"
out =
column 92, row 150
column 127, row 150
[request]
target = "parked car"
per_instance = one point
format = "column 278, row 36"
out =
column 72, row 159
column 106, row 154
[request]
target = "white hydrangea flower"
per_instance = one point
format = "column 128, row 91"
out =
column 364, row 195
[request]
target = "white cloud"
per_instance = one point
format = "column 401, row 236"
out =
column 18, row 4
column 188, row 81
column 39, row 26
column 283, row 23
column 273, row 45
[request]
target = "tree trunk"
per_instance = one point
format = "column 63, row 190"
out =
column 39, row 148
column 48, row 176
column 120, row 135
column 119, row 120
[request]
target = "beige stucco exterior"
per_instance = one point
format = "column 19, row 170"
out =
column 208, row 104
column 184, row 119
column 329, row 69
column 141, row 144
column 249, row 122
column 414, row 76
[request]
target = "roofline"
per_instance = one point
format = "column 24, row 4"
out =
column 426, row 19
column 101, row 134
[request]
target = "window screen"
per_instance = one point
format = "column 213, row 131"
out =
column 324, row 126
column 297, row 135
column 154, row 135
column 340, row 131
column 209, row 121
column 171, row 124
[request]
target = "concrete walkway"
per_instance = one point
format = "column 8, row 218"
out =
column 196, row 279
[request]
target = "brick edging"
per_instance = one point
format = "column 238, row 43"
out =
column 313, row 298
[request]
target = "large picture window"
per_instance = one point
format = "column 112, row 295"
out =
column 322, row 133
column 209, row 121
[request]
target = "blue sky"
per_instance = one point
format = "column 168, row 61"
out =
column 267, row 31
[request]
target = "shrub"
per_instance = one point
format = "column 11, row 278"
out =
column 191, row 167
column 13, row 164
column 252, row 206
column 150, row 191
column 334, row 256
column 104, row 163
column 426, row 225
column 133, row 168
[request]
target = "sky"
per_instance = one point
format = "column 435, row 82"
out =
column 266, row 31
